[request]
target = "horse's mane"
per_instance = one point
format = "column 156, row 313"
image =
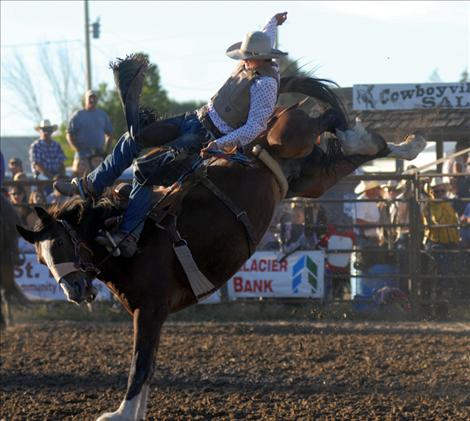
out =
column 76, row 210
column 318, row 89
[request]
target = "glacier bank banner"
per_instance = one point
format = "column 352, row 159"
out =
column 299, row 275
column 411, row 96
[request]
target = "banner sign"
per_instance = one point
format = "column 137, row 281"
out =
column 411, row 96
column 299, row 275
column 37, row 283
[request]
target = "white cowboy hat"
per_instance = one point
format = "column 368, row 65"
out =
column 439, row 181
column 366, row 185
column 256, row 45
column 46, row 124
column 390, row 184
column 90, row 92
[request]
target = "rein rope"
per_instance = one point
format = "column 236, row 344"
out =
column 83, row 264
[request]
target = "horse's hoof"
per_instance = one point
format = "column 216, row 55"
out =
column 358, row 141
column 409, row 149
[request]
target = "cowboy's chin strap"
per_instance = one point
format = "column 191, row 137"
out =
column 271, row 163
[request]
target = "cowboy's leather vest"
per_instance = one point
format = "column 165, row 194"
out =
column 232, row 101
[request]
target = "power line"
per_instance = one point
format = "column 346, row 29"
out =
column 32, row 44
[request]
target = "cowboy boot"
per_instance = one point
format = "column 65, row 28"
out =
column 77, row 186
column 124, row 242
column 129, row 74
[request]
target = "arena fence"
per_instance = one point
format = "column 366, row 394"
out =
column 427, row 276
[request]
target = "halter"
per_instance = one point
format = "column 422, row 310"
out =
column 82, row 263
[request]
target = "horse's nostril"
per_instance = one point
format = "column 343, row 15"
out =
column 78, row 287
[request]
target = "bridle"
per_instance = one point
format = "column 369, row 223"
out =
column 83, row 254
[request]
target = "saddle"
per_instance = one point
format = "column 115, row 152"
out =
column 167, row 205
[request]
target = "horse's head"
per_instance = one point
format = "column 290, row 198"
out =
column 68, row 259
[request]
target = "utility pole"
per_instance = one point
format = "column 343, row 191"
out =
column 87, row 47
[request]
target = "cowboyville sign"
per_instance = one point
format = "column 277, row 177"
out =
column 411, row 96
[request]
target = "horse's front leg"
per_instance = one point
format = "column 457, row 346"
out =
column 148, row 322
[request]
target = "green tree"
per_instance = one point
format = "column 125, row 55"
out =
column 464, row 77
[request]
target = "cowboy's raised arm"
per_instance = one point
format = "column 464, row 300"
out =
column 271, row 27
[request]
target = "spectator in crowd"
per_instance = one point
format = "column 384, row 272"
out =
column 21, row 176
column 2, row 168
column 401, row 218
column 15, row 165
column 440, row 240
column 37, row 197
column 462, row 187
column 95, row 160
column 297, row 234
column 89, row 133
column 456, row 164
column 367, row 213
column 388, row 214
column 270, row 240
column 465, row 255
column 301, row 226
column 465, row 227
column 26, row 214
column 315, row 221
column 45, row 154
column 459, row 186
column 56, row 198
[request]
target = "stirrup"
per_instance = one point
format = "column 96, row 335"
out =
column 78, row 182
column 113, row 248
column 73, row 187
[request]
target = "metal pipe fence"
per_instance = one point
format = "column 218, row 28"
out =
column 422, row 271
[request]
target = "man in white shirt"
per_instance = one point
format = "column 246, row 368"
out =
column 367, row 213
column 234, row 116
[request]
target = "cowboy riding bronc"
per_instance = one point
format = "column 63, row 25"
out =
column 234, row 116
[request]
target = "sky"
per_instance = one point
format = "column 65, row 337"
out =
column 348, row 42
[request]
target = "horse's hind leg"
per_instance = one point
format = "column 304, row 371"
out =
column 147, row 326
column 7, row 319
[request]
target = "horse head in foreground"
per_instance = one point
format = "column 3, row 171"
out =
column 220, row 226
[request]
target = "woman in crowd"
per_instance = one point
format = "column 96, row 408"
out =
column 26, row 214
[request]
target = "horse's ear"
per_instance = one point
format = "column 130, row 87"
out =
column 29, row 236
column 43, row 215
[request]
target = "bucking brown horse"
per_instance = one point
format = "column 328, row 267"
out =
column 286, row 160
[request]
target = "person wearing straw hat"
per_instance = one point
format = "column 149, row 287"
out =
column 45, row 154
column 441, row 239
column 233, row 117
column 366, row 213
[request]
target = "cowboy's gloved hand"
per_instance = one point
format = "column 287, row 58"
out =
column 281, row 18
column 210, row 147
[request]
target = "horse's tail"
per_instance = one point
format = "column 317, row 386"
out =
column 129, row 76
column 318, row 89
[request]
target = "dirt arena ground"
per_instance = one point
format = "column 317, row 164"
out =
column 261, row 370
